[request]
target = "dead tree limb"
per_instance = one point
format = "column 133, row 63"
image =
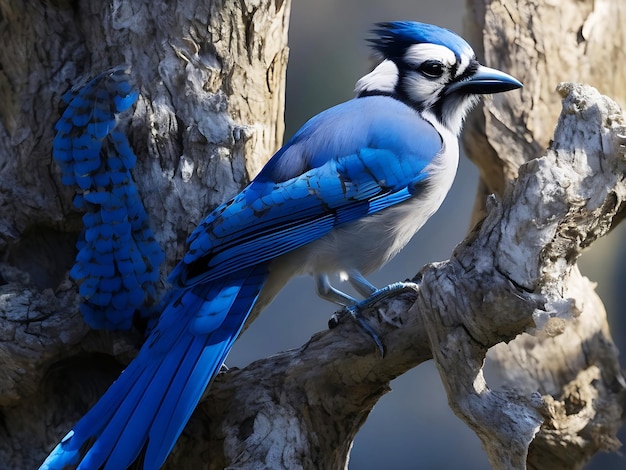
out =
column 544, row 43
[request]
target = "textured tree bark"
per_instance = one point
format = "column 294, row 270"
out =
column 211, row 79
column 542, row 44
column 574, row 367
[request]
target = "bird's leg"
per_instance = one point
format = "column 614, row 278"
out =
column 328, row 292
column 388, row 291
column 377, row 296
column 362, row 285
column 373, row 295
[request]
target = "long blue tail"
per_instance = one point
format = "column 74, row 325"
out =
column 147, row 407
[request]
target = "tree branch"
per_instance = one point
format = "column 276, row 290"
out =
column 510, row 276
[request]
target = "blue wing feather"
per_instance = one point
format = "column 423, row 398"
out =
column 341, row 180
column 148, row 406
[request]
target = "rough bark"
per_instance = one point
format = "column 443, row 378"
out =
column 544, row 43
column 211, row 76
column 211, row 84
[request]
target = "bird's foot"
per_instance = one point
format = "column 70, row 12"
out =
column 354, row 310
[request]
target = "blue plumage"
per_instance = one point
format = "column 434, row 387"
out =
column 344, row 195
column 392, row 39
column 117, row 247
column 311, row 204
column 155, row 396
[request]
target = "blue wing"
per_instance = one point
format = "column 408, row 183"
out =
column 117, row 265
column 350, row 161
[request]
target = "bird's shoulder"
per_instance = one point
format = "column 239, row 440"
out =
column 374, row 122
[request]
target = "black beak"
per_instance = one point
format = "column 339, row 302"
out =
column 484, row 81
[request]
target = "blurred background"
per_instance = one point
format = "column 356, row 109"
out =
column 412, row 426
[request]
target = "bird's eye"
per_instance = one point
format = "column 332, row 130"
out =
column 431, row 68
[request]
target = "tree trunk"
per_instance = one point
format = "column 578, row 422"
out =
column 542, row 44
column 211, row 80
column 211, row 77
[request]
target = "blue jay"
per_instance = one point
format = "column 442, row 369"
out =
column 343, row 195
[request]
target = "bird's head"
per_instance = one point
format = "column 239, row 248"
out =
column 431, row 69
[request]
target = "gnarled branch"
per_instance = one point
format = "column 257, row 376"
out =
column 513, row 275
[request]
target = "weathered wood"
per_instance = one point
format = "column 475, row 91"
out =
column 211, row 77
column 211, row 94
column 572, row 364
column 542, row 44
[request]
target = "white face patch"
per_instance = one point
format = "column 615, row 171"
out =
column 418, row 53
column 424, row 86
column 465, row 61
column 422, row 89
column 383, row 78
column 426, row 90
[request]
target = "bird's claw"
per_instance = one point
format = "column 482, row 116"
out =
column 355, row 311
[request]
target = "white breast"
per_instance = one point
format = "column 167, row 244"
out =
column 370, row 242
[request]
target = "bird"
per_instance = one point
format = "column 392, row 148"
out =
column 342, row 196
